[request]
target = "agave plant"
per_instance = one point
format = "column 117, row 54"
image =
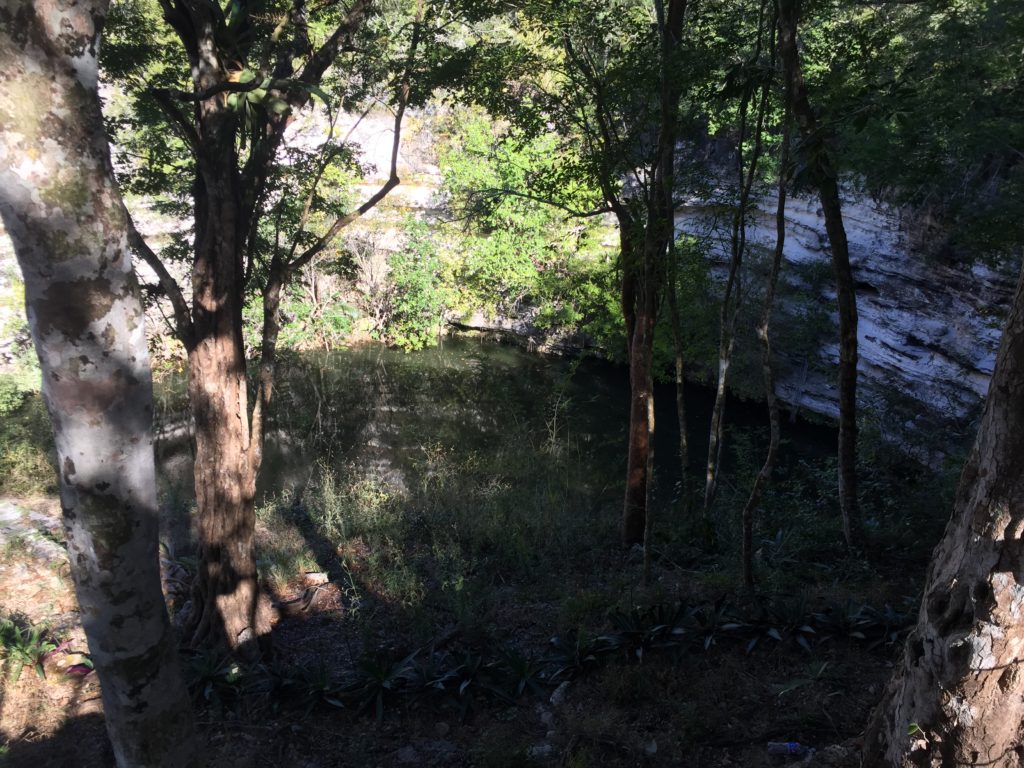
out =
column 847, row 621
column 379, row 680
column 430, row 676
column 786, row 618
column 215, row 680
column 470, row 680
column 576, row 653
column 311, row 684
column 709, row 623
column 519, row 673
column 658, row 627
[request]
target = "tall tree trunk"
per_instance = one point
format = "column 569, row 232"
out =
column 643, row 254
column 671, row 27
column 764, row 336
column 846, row 296
column 828, row 192
column 680, row 378
column 641, row 381
column 957, row 697
column 640, row 322
column 649, row 519
column 732, row 299
column 638, row 478
column 59, row 202
column 235, row 159
column 227, row 606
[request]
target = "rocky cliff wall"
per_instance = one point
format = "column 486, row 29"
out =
column 928, row 329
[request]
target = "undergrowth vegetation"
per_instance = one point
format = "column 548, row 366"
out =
column 26, row 441
column 23, row 645
column 449, row 553
column 477, row 571
column 473, row 673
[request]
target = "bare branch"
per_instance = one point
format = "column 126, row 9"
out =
column 169, row 286
column 186, row 129
column 340, row 39
column 393, row 180
column 504, row 192
column 314, row 185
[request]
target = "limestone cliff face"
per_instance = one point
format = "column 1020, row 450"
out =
column 927, row 330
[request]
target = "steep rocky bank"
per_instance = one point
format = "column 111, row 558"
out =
column 928, row 329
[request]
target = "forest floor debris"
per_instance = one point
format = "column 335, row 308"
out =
column 714, row 708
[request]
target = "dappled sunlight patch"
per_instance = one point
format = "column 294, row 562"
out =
column 26, row 442
column 47, row 689
column 284, row 553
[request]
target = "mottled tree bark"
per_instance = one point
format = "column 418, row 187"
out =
column 827, row 181
column 957, row 697
column 234, row 165
column 62, row 209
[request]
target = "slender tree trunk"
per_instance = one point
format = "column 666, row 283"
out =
column 680, row 378
column 641, row 385
column 59, row 203
column 828, row 192
column 643, row 260
column 957, row 697
column 764, row 336
column 731, row 299
column 847, row 299
column 726, row 342
column 649, row 519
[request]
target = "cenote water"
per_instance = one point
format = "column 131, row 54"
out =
column 390, row 415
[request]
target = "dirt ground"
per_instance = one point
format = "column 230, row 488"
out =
column 709, row 710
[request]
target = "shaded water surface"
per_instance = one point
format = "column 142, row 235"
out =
column 385, row 410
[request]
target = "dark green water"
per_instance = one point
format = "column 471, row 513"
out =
column 383, row 410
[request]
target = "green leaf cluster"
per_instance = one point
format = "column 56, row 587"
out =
column 414, row 304
column 23, row 646
column 510, row 250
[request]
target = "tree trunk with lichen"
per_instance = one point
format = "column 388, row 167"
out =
column 63, row 211
column 957, row 697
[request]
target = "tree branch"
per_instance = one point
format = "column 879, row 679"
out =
column 185, row 127
column 169, row 286
column 341, row 38
column 393, row 180
column 227, row 86
column 499, row 192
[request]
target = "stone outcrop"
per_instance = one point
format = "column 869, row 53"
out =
column 928, row 328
